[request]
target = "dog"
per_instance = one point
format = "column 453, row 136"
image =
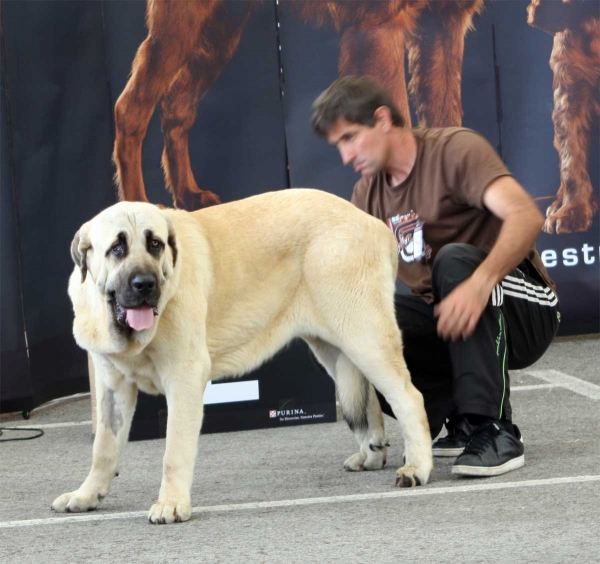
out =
column 165, row 300
column 190, row 43
column 575, row 26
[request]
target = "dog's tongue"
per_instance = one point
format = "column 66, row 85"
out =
column 140, row 318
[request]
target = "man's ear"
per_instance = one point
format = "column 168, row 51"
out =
column 383, row 116
column 79, row 248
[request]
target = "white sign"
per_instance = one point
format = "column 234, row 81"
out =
column 231, row 392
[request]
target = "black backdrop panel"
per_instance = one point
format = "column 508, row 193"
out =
column 61, row 131
column 526, row 81
column 14, row 366
column 310, row 58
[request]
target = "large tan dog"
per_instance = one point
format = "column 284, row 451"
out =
column 167, row 300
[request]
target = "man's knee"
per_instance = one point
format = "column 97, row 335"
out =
column 453, row 264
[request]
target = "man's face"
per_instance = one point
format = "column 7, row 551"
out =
column 361, row 146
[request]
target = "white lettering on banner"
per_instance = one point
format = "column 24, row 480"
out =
column 290, row 412
column 570, row 256
column 293, row 415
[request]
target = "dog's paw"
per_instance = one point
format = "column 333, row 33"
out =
column 192, row 200
column 76, row 502
column 356, row 462
column 409, row 476
column 376, row 460
column 170, row 511
column 573, row 217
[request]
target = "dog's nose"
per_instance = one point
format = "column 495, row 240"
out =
column 144, row 283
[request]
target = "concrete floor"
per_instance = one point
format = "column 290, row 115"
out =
column 282, row 495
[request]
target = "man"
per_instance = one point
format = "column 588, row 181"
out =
column 481, row 300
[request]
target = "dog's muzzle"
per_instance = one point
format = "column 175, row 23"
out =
column 136, row 306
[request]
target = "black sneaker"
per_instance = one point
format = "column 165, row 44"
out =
column 456, row 440
column 491, row 451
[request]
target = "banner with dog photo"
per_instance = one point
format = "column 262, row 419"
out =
column 548, row 56
column 193, row 123
column 212, row 133
column 523, row 74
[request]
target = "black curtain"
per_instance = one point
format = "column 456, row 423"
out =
column 56, row 174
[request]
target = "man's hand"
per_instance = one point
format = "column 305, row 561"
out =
column 459, row 312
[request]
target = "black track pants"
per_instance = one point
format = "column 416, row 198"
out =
column 471, row 376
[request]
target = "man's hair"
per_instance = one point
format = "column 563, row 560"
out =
column 354, row 99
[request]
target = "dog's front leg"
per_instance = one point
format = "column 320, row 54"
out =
column 115, row 401
column 185, row 404
column 574, row 61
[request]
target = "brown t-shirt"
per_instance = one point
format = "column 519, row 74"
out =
column 440, row 202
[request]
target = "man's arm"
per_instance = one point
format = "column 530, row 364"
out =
column 460, row 311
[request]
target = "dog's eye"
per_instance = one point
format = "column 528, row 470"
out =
column 117, row 248
column 155, row 243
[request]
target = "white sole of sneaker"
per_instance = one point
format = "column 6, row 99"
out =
column 513, row 464
column 447, row 452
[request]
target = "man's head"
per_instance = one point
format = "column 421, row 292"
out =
column 355, row 114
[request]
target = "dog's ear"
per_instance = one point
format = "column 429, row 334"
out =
column 172, row 242
column 79, row 248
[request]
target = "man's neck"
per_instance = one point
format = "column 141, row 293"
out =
column 403, row 155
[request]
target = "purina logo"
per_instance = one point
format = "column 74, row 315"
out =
column 286, row 412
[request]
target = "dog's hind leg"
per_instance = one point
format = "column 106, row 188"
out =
column 359, row 405
column 219, row 40
column 374, row 345
column 435, row 57
column 115, row 399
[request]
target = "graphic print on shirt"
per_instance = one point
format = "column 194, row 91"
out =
column 408, row 230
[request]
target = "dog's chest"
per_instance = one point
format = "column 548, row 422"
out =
column 141, row 371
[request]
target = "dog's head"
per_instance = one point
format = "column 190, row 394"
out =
column 129, row 251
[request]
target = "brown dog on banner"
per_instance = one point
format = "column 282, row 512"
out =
column 575, row 62
column 190, row 43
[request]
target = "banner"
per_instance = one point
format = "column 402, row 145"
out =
column 501, row 85
column 550, row 92
column 227, row 104
column 218, row 110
